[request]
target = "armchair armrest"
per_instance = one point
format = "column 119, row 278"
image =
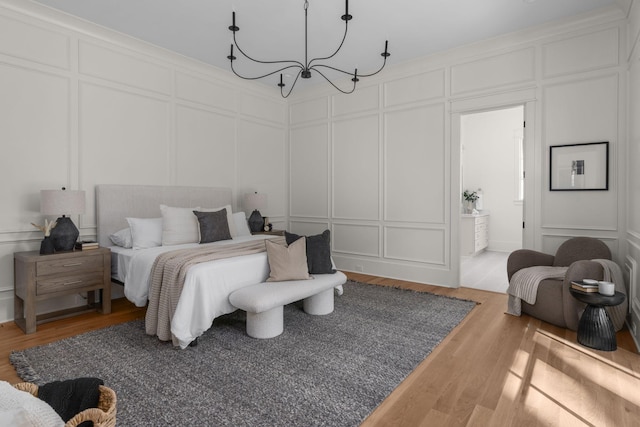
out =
column 584, row 269
column 523, row 258
column 572, row 308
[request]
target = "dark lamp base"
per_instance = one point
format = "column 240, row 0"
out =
column 64, row 234
column 256, row 222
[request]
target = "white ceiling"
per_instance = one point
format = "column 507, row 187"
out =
column 274, row 30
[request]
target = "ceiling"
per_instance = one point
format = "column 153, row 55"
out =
column 274, row 30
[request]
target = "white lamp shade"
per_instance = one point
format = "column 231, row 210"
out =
column 255, row 201
column 62, row 202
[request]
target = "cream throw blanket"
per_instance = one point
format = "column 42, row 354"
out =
column 167, row 280
column 524, row 285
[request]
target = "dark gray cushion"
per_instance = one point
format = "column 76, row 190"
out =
column 318, row 251
column 213, row 226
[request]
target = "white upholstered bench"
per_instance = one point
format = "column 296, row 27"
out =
column 264, row 302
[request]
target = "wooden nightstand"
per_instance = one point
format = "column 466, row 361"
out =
column 40, row 277
column 272, row 232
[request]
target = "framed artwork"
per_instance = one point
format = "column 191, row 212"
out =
column 579, row 167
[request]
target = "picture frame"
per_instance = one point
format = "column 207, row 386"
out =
column 579, row 167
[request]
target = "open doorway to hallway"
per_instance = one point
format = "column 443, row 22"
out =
column 492, row 164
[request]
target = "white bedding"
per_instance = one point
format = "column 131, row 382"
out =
column 207, row 286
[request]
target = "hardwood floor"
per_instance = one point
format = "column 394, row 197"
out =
column 492, row 370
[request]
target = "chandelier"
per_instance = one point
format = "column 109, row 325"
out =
column 305, row 68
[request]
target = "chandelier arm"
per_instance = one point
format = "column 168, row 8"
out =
column 292, row 86
column 332, row 84
column 315, row 68
column 235, row 42
column 344, row 37
column 379, row 69
column 265, row 75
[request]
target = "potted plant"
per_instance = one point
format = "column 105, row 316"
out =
column 469, row 201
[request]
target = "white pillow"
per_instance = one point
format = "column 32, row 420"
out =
column 122, row 238
column 179, row 225
column 240, row 221
column 145, row 232
column 230, row 221
column 19, row 408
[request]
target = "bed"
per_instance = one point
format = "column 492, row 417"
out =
column 207, row 286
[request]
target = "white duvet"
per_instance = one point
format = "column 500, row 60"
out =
column 207, row 286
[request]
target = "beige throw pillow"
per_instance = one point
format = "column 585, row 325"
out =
column 287, row 263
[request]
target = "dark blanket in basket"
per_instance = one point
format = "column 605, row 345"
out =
column 70, row 397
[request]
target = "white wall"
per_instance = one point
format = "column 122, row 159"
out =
column 490, row 162
column 81, row 106
column 632, row 261
column 388, row 183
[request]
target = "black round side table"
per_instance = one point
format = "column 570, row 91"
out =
column 595, row 329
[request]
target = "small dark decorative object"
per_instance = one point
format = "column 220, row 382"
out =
column 46, row 246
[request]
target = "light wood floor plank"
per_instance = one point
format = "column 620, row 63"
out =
column 493, row 369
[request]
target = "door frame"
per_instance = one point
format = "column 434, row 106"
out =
column 531, row 202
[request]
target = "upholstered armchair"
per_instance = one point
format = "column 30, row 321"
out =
column 554, row 303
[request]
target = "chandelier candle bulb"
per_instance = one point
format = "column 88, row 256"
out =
column 346, row 17
column 233, row 26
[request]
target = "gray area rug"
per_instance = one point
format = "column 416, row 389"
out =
column 322, row 371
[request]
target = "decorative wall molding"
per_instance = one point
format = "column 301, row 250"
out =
column 408, row 244
column 631, row 266
column 356, row 239
column 34, row 43
column 415, row 88
column 517, row 67
column 581, row 53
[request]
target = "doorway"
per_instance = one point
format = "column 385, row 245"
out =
column 492, row 166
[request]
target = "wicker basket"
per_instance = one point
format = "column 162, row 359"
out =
column 102, row 416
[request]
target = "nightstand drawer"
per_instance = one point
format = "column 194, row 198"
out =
column 68, row 283
column 70, row 265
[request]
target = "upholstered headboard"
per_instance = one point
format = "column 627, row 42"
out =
column 114, row 203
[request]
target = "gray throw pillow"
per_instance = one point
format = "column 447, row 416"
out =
column 213, row 226
column 318, row 252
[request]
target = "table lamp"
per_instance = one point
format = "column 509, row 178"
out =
column 63, row 202
column 254, row 202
